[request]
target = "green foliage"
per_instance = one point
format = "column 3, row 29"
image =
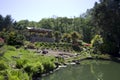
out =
column 20, row 63
column 105, row 16
column 66, row 38
column 5, row 22
column 96, row 43
column 2, row 51
column 38, row 68
column 28, row 68
column 81, row 24
column 34, row 68
column 1, row 77
column 15, row 39
column 109, row 47
column 57, row 35
column 31, row 46
column 10, row 48
column 3, row 65
column 54, row 46
column 61, row 60
column 75, row 36
column 23, row 63
column 17, row 75
column 22, row 24
column 12, row 37
column 48, row 66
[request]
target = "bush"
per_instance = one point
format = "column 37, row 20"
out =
column 1, row 77
column 28, row 68
column 33, row 69
column 15, row 39
column 109, row 47
column 31, row 46
column 37, row 68
column 96, row 43
column 13, row 78
column 17, row 75
column 20, row 63
column 11, row 48
column 3, row 66
column 2, row 51
column 48, row 66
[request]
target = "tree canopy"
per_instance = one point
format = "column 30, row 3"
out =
column 106, row 17
column 103, row 19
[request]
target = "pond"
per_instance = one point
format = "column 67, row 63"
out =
column 88, row 70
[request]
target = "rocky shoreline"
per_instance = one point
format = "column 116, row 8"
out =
column 73, row 62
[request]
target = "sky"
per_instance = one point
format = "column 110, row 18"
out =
column 35, row 10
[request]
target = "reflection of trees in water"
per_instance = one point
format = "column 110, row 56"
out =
column 89, row 70
column 98, row 74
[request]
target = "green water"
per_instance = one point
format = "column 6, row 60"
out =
column 88, row 70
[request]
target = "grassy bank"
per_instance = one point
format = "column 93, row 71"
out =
column 20, row 64
column 25, row 63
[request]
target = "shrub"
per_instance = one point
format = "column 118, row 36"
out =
column 3, row 66
column 13, row 78
column 17, row 75
column 11, row 48
column 28, row 68
column 66, row 38
column 96, row 43
column 2, row 51
column 37, row 68
column 20, row 63
column 109, row 47
column 15, row 38
column 31, row 46
column 1, row 77
column 60, row 59
column 48, row 66
column 33, row 69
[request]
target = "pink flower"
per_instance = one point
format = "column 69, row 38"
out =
column 87, row 44
column 1, row 40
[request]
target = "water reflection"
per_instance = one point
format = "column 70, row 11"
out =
column 88, row 70
column 98, row 75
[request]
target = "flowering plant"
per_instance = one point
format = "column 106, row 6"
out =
column 1, row 42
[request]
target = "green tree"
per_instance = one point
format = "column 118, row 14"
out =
column 22, row 24
column 106, row 15
column 57, row 36
column 6, row 22
column 66, row 37
column 1, row 22
column 15, row 39
column 75, row 36
column 96, row 43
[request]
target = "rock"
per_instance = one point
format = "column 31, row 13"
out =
column 44, row 51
